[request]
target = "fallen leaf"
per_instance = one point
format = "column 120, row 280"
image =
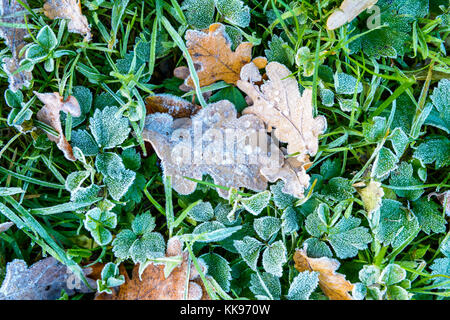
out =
column 44, row 280
column 170, row 104
column 333, row 284
column 10, row 11
column 5, row 226
column 49, row 114
column 71, row 10
column 235, row 152
column 348, row 11
column 279, row 104
column 213, row 58
column 153, row 285
column 371, row 196
column 444, row 199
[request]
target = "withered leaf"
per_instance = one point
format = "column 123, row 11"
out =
column 213, row 58
column 279, row 104
column 333, row 284
column 235, row 152
column 371, row 196
column 348, row 11
column 170, row 104
column 49, row 114
column 44, row 280
column 12, row 12
column 153, row 285
column 5, row 226
column 71, row 10
column 444, row 199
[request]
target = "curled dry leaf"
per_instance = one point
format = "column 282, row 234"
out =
column 49, row 114
column 279, row 104
column 348, row 11
column 235, row 152
column 153, row 285
column 5, row 226
column 12, row 12
column 333, row 284
column 170, row 104
column 213, row 58
column 444, row 199
column 44, row 280
column 71, row 10
column 371, row 196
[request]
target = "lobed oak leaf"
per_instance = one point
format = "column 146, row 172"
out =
column 170, row 104
column 10, row 11
column 152, row 284
column 334, row 285
column 213, row 58
column 348, row 11
column 279, row 104
column 71, row 10
column 49, row 114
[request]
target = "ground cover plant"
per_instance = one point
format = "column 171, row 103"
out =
column 212, row 149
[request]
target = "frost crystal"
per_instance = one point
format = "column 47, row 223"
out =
column 303, row 285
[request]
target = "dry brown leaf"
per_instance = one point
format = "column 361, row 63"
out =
column 49, row 114
column 5, row 226
column 233, row 151
column 279, row 104
column 371, row 196
column 12, row 12
column 348, row 11
column 333, row 284
column 44, row 280
column 213, row 58
column 170, row 104
column 154, row 286
column 71, row 10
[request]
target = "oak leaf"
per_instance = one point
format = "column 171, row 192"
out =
column 333, row 284
column 170, row 104
column 71, row 10
column 213, row 58
column 279, row 104
column 348, row 11
column 152, row 284
column 10, row 11
column 235, row 152
column 49, row 114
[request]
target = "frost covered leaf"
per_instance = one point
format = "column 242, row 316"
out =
column 140, row 243
column 202, row 212
column 289, row 221
column 173, row 105
column 371, row 196
column 369, row 275
column 317, row 248
column 110, row 278
column 403, row 177
column 399, row 141
column 392, row 274
column 85, row 195
column 237, row 163
column 385, row 162
column 108, row 129
column 85, row 142
column 256, row 203
column 444, row 198
column 440, row 115
column 347, row 237
column 348, row 11
column 75, row 179
column 435, row 150
column 303, row 285
column 152, row 283
column 347, row 84
column 234, row 11
column 429, row 216
column 279, row 104
column 339, row 189
column 15, row 40
column 49, row 114
column 98, row 222
column 44, row 280
column 375, row 131
column 266, row 227
column 199, row 13
column 281, row 199
column 71, row 10
column 278, row 51
column 271, row 284
column 218, row 268
column 249, row 249
column 333, row 284
column 274, row 257
column 396, row 224
column 5, row 226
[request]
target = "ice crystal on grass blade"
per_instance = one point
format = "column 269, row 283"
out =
column 303, row 285
column 98, row 222
column 109, row 129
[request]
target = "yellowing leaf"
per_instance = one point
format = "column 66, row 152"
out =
column 279, row 104
column 371, row 196
column 49, row 114
column 333, row 284
column 12, row 12
column 213, row 57
column 71, row 10
column 154, row 285
column 348, row 11
column 170, row 104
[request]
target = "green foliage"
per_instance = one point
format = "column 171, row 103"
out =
column 110, row 278
column 218, row 268
column 265, row 286
column 303, row 285
column 435, row 150
column 108, row 129
column 98, row 222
